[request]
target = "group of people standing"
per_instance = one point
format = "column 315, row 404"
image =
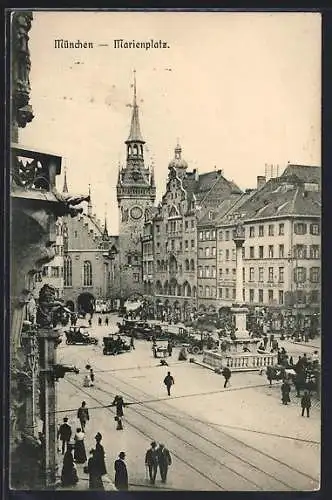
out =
column 75, row 453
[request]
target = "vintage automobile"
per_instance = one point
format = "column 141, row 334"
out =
column 113, row 344
column 78, row 335
column 197, row 345
column 140, row 329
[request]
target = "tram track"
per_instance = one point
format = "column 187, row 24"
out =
column 250, row 451
column 239, row 470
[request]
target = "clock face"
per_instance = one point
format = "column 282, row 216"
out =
column 136, row 213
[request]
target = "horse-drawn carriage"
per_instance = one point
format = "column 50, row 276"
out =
column 78, row 335
column 308, row 378
column 114, row 345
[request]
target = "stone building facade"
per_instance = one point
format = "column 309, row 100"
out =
column 171, row 236
column 90, row 254
column 281, row 266
column 136, row 193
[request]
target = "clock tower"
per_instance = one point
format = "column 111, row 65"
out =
column 136, row 192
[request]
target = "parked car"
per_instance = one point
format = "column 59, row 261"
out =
column 140, row 329
column 114, row 345
column 78, row 335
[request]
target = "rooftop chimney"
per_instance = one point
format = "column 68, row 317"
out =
column 261, row 180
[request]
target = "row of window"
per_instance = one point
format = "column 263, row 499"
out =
column 207, row 272
column 164, row 265
column 171, row 245
column 270, row 230
column 68, row 272
column 175, row 225
column 299, row 251
column 259, row 296
column 179, row 290
column 52, row 271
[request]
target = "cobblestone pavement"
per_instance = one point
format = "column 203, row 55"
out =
column 239, row 438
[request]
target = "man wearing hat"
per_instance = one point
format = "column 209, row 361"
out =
column 164, row 461
column 64, row 433
column 151, row 462
column 121, row 474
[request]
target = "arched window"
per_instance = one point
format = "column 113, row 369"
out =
column 129, row 150
column 141, row 150
column 188, row 290
column 67, row 271
column 87, row 273
column 194, row 291
column 187, row 265
column 192, row 265
column 179, row 290
column 135, row 148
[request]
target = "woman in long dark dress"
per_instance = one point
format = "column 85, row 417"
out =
column 95, row 479
column 100, row 455
column 79, row 450
column 69, row 473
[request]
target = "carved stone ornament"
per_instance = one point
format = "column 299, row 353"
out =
column 49, row 311
column 22, row 111
column 239, row 232
column 29, row 173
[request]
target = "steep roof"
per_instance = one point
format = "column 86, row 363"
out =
column 211, row 219
column 209, row 188
column 305, row 173
column 285, row 196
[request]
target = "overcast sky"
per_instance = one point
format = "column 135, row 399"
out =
column 239, row 90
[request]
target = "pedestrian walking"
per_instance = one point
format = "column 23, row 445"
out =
column 79, row 448
column 169, row 381
column 64, row 434
column 95, row 478
column 169, row 348
column 83, row 415
column 106, row 321
column 69, row 472
column 132, row 344
column 164, row 461
column 121, row 473
column 151, row 462
column 226, row 372
column 306, row 403
column 99, row 455
column 92, row 376
column 285, row 391
column 119, row 404
column 99, row 321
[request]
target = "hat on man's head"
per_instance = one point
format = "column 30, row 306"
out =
column 98, row 436
column 122, row 454
column 153, row 444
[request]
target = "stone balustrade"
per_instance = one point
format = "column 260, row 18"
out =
column 239, row 361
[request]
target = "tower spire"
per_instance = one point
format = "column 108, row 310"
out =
column 90, row 203
column 65, row 186
column 135, row 130
column 105, row 233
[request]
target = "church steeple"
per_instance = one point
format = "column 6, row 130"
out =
column 90, row 203
column 65, row 187
column 105, row 232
